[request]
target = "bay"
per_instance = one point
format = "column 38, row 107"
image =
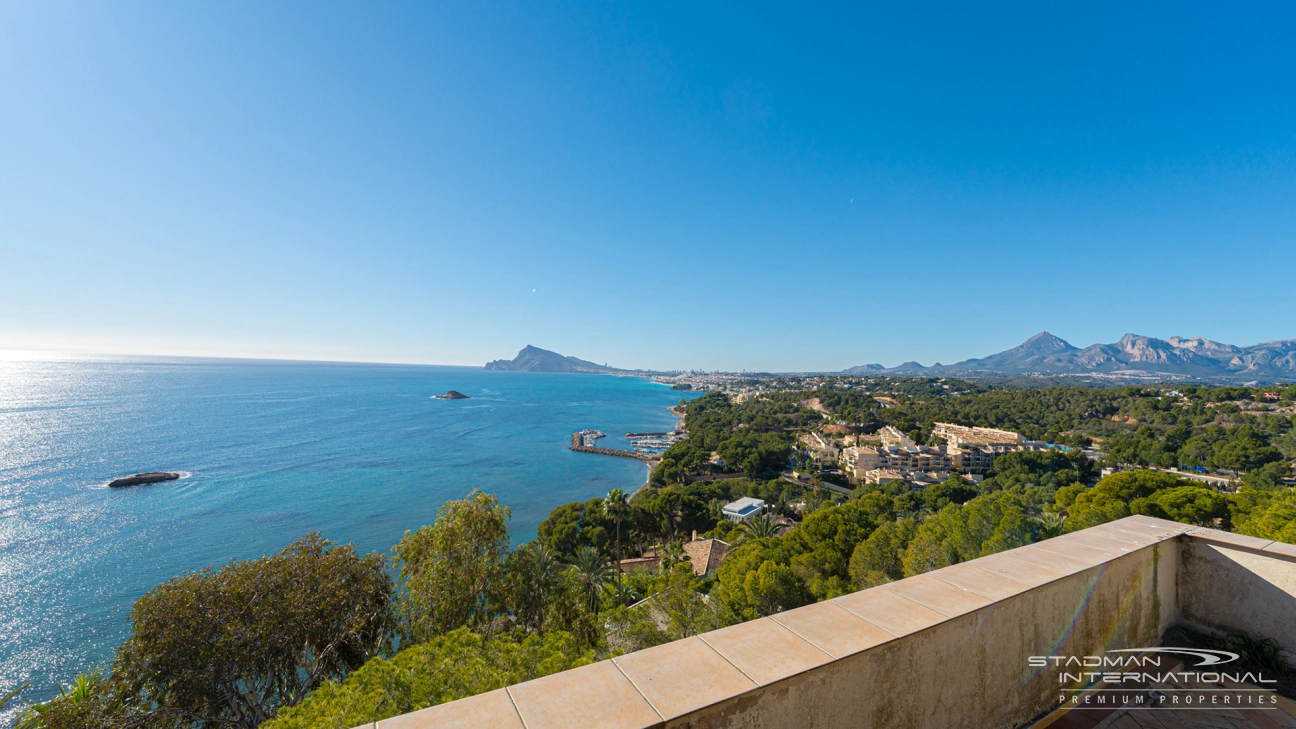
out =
column 270, row 452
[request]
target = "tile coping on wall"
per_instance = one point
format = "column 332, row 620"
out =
column 655, row 685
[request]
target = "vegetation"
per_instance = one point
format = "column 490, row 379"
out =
column 451, row 666
column 231, row 646
column 318, row 636
column 452, row 571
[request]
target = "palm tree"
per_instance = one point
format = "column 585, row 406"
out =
column 1051, row 524
column 545, row 565
column 617, row 508
column 592, row 572
column 672, row 554
column 758, row 527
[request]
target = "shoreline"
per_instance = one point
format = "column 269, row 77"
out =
column 651, row 463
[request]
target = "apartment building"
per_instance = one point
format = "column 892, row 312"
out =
column 858, row 460
column 958, row 435
column 891, row 436
column 822, row 448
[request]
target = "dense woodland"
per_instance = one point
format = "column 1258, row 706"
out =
column 319, row 636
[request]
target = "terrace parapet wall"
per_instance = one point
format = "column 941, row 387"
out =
column 949, row 648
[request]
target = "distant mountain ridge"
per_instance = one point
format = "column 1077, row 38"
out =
column 1133, row 356
column 534, row 359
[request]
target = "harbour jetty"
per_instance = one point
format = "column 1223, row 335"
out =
column 581, row 441
column 140, row 479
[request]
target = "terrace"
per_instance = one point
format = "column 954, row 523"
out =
column 957, row 647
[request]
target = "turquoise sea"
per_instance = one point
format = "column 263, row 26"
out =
column 271, row 451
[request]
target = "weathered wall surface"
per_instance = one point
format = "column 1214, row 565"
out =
column 949, row 648
column 1238, row 583
column 972, row 670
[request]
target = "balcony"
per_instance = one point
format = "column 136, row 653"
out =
column 958, row 647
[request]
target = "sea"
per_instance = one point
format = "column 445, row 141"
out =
column 269, row 451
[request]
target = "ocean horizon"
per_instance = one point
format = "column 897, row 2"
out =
column 270, row 450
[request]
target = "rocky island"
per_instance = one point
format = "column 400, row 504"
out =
column 452, row 395
column 140, row 479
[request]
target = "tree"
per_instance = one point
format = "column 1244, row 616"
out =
column 773, row 588
column 617, row 508
column 232, row 646
column 758, row 527
column 1187, row 504
column 953, row 490
column 533, row 576
column 448, row 667
column 672, row 554
column 1265, row 514
column 985, row 525
column 1243, row 450
column 575, row 524
column 452, row 571
column 1051, row 524
column 1110, row 499
column 876, row 560
column 1268, row 477
column 593, row 572
column 755, row 453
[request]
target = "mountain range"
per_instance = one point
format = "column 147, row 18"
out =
column 534, row 359
column 1134, row 356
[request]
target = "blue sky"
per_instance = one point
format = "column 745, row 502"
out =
column 769, row 187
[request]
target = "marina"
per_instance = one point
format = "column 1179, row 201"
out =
column 643, row 446
column 582, row 441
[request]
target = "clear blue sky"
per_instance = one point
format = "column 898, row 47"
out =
column 647, row 184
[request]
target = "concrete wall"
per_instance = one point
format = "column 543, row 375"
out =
column 972, row 670
column 1232, row 582
column 949, row 648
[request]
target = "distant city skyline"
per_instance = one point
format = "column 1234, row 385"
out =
column 722, row 187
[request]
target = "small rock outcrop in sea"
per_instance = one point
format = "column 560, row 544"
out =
column 140, row 479
column 452, row 395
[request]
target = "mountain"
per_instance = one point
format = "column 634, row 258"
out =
column 863, row 369
column 1133, row 357
column 1040, row 351
column 534, row 359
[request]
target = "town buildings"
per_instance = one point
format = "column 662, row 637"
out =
column 969, row 451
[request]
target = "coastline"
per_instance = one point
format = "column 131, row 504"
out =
column 359, row 453
column 651, row 463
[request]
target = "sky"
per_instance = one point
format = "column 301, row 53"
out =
column 668, row 185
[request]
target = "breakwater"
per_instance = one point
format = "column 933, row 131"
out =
column 577, row 444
